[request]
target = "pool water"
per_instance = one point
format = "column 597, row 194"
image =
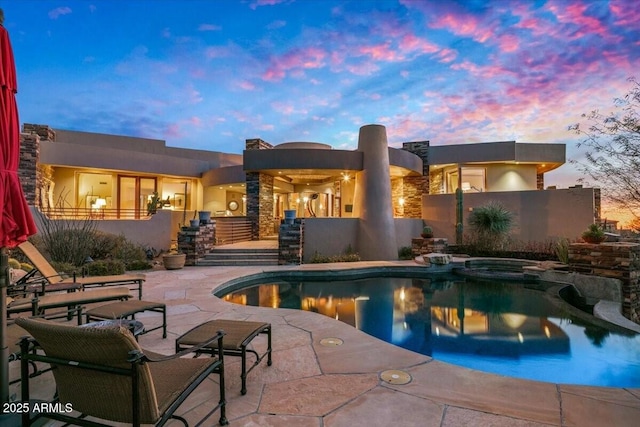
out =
column 502, row 328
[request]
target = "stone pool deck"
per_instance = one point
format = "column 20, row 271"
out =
column 325, row 386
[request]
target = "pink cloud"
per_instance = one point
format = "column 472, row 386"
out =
column 487, row 72
column 363, row 68
column 381, row 52
column 287, row 108
column 246, row 85
column 295, row 61
column 508, row 43
column 464, row 25
column 411, row 43
column 447, row 55
column 172, row 131
column 574, row 13
column 626, row 13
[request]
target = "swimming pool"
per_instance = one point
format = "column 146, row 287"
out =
column 504, row 328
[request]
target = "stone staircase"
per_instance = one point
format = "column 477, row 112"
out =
column 239, row 256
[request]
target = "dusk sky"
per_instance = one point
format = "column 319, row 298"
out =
column 210, row 74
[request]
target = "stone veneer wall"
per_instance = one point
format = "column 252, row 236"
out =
column 413, row 189
column 28, row 172
column 30, row 175
column 415, row 186
column 195, row 242
column 619, row 260
column 397, row 192
column 422, row 246
column 260, row 204
column 290, row 242
column 259, row 196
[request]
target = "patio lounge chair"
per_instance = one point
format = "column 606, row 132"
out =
column 72, row 301
column 53, row 277
column 103, row 373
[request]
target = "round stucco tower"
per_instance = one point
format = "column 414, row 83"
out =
column 372, row 198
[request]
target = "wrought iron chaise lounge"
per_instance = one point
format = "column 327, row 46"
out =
column 134, row 281
column 73, row 301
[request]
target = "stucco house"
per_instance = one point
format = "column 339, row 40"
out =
column 347, row 197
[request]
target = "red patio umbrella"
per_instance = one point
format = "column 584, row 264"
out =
column 16, row 222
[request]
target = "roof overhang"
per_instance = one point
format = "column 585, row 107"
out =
column 546, row 156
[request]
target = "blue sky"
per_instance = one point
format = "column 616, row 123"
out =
column 210, row 74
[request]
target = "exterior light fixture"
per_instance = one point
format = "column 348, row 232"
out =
column 401, row 201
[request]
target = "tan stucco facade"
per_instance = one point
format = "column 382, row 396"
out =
column 317, row 182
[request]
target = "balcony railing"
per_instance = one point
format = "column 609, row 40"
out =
column 98, row 214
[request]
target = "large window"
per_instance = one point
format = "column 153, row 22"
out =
column 473, row 180
column 133, row 193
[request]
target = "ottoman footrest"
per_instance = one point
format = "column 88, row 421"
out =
column 129, row 309
column 238, row 335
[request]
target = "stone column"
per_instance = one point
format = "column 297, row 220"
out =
column 372, row 198
column 259, row 203
column 415, row 186
column 28, row 167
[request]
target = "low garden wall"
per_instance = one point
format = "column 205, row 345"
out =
column 617, row 260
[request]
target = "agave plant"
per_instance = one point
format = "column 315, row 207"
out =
column 491, row 224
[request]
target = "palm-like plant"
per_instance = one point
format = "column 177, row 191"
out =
column 491, row 224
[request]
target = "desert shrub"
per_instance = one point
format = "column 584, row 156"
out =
column 536, row 250
column 138, row 265
column 127, row 251
column 67, row 241
column 405, row 253
column 65, row 269
column 490, row 225
column 347, row 256
column 103, row 245
column 562, row 250
column 104, row 267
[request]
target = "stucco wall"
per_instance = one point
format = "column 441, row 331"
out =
column 511, row 177
column 406, row 229
column 538, row 215
column 328, row 236
column 157, row 232
column 331, row 236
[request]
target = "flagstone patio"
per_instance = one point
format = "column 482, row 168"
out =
column 310, row 384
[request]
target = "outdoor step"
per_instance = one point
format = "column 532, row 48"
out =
column 208, row 262
column 241, row 256
column 215, row 251
column 244, row 256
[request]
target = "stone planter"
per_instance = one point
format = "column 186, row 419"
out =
column 174, row 261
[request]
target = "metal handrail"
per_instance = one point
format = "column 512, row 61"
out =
column 98, row 214
column 232, row 230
